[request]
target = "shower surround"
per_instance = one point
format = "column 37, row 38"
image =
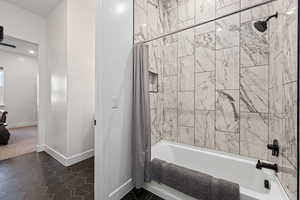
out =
column 224, row 85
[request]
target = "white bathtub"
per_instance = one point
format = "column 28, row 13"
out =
column 230, row 167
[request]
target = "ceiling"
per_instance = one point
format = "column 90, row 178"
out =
column 39, row 7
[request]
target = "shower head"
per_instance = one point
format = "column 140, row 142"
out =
column 262, row 26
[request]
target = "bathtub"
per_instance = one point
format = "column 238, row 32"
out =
column 238, row 169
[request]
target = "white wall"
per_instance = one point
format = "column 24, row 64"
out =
column 81, row 75
column 57, row 64
column 24, row 25
column 20, row 89
column 114, row 39
column 53, row 72
column 71, row 61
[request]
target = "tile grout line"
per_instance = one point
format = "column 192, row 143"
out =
column 177, row 65
column 194, row 63
column 268, row 85
column 215, row 92
column 239, row 74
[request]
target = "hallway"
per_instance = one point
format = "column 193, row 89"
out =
column 22, row 141
column 37, row 176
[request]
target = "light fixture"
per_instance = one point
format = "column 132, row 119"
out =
column 32, row 52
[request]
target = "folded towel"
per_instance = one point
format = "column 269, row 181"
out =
column 187, row 181
column 225, row 190
column 193, row 183
column 156, row 169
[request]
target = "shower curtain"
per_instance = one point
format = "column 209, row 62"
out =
column 141, row 121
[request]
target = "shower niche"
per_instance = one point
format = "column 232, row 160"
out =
column 153, row 82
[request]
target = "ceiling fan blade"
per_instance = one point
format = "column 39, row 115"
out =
column 8, row 45
column 1, row 33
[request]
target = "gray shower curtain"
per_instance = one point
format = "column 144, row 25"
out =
column 141, row 121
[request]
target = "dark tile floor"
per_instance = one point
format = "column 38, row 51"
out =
column 37, row 176
column 141, row 194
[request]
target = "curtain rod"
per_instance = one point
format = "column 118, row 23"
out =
column 208, row 21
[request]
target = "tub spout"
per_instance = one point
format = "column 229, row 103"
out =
column 261, row 165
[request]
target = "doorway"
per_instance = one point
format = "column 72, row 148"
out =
column 19, row 96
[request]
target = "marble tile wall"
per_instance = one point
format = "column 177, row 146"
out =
column 224, row 85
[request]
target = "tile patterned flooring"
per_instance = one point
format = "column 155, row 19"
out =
column 141, row 195
column 37, row 176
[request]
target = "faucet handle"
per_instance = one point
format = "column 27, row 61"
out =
column 274, row 147
column 258, row 165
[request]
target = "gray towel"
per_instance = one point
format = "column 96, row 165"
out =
column 156, row 169
column 225, row 190
column 193, row 183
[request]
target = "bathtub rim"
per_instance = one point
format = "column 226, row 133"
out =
column 222, row 154
column 154, row 188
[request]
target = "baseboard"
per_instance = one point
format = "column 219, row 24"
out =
column 22, row 124
column 67, row 161
column 56, row 155
column 79, row 157
column 40, row 148
column 121, row 191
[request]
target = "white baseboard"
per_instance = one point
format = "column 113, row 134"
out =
column 40, row 148
column 66, row 161
column 79, row 157
column 22, row 124
column 56, row 155
column 121, row 191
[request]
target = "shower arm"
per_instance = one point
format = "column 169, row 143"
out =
column 275, row 15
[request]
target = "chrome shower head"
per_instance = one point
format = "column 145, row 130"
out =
column 262, row 26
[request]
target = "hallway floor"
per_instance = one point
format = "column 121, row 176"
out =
column 37, row 176
column 22, row 141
